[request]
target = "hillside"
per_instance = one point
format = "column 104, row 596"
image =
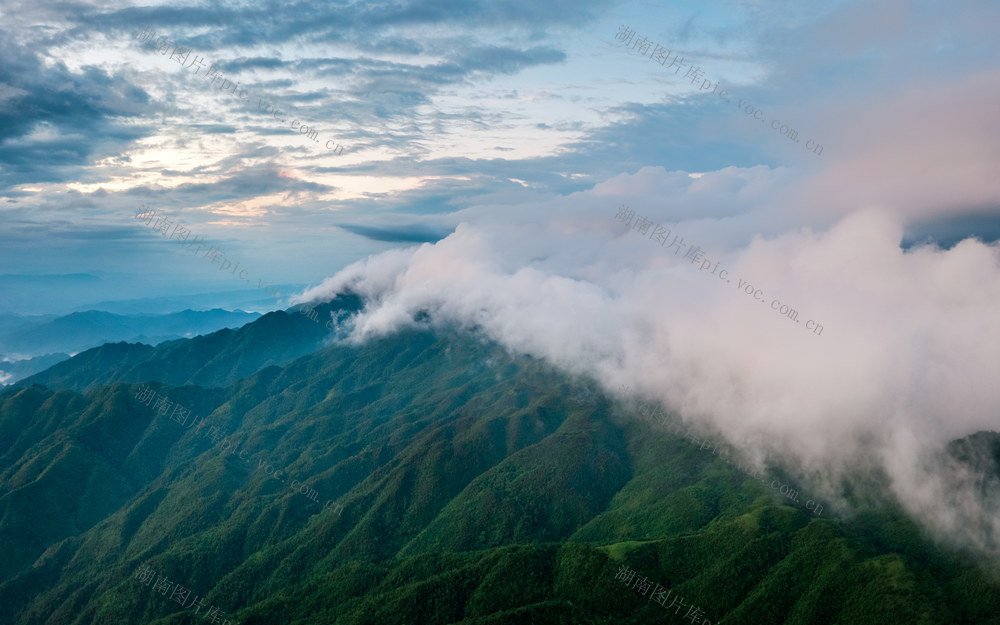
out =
column 445, row 481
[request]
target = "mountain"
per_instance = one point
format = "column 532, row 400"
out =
column 13, row 370
column 115, row 292
column 15, row 323
column 216, row 359
column 243, row 299
column 443, row 480
column 79, row 331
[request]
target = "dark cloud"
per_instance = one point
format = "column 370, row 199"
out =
column 214, row 128
column 400, row 234
column 240, row 185
column 52, row 118
column 482, row 13
column 87, row 113
column 494, row 59
column 275, row 23
column 393, row 45
column 948, row 230
column 256, row 62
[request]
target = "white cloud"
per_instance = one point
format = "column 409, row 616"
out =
column 906, row 360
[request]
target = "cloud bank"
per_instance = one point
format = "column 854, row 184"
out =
column 905, row 362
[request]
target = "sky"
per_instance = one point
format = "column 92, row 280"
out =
column 535, row 171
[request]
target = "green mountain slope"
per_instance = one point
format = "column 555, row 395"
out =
column 444, row 482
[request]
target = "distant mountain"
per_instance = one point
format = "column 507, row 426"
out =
column 244, row 299
column 27, row 337
column 216, row 359
column 443, row 481
column 14, row 370
column 11, row 323
column 116, row 292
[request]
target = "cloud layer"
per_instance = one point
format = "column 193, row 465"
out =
column 906, row 359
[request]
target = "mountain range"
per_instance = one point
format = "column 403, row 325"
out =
column 23, row 338
column 454, row 482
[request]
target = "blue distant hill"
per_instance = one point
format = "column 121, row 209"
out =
column 26, row 337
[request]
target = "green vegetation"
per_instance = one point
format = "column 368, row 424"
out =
column 476, row 488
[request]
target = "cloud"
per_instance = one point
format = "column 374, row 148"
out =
column 52, row 120
column 903, row 363
column 402, row 234
column 926, row 149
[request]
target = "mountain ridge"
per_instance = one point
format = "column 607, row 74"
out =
column 78, row 331
column 477, row 487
